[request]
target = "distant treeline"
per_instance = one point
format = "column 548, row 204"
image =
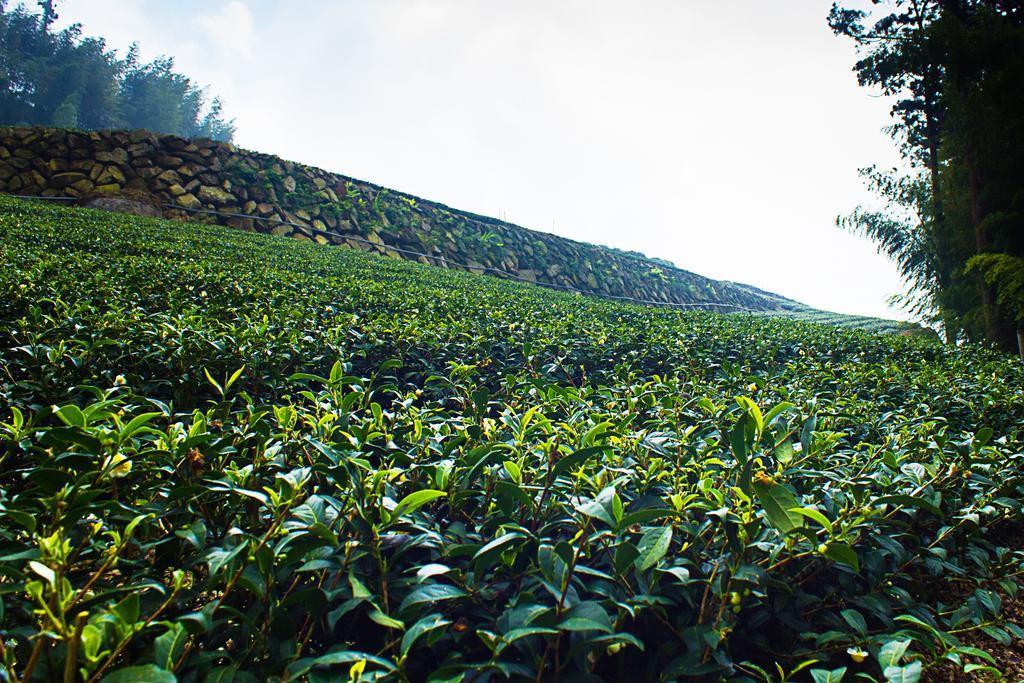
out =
column 955, row 223
column 62, row 78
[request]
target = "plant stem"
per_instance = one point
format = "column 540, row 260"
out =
column 72, row 656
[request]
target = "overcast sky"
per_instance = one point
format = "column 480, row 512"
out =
column 723, row 136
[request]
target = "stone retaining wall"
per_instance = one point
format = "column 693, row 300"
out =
column 331, row 208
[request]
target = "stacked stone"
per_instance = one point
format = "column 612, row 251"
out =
column 182, row 176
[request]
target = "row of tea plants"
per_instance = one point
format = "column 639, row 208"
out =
column 233, row 457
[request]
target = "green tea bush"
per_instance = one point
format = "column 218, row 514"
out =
column 232, row 457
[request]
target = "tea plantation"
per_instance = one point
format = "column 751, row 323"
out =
column 227, row 456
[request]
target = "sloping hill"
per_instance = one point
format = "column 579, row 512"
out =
column 254, row 191
column 237, row 456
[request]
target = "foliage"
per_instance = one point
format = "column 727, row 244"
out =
column 64, row 79
column 155, row 97
column 956, row 70
column 898, row 59
column 983, row 144
column 226, row 455
column 1006, row 274
column 656, row 273
column 928, row 255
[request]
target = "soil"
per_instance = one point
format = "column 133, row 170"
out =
column 1009, row 658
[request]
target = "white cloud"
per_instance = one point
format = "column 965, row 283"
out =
column 231, row 31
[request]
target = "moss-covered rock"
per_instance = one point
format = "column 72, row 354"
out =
column 195, row 173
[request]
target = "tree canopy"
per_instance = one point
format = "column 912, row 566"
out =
column 63, row 78
column 954, row 222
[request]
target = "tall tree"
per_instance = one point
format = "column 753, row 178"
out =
column 983, row 48
column 63, row 78
column 48, row 9
column 927, row 256
column 956, row 68
column 898, row 58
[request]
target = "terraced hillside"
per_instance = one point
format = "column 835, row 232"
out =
column 235, row 456
column 261, row 192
